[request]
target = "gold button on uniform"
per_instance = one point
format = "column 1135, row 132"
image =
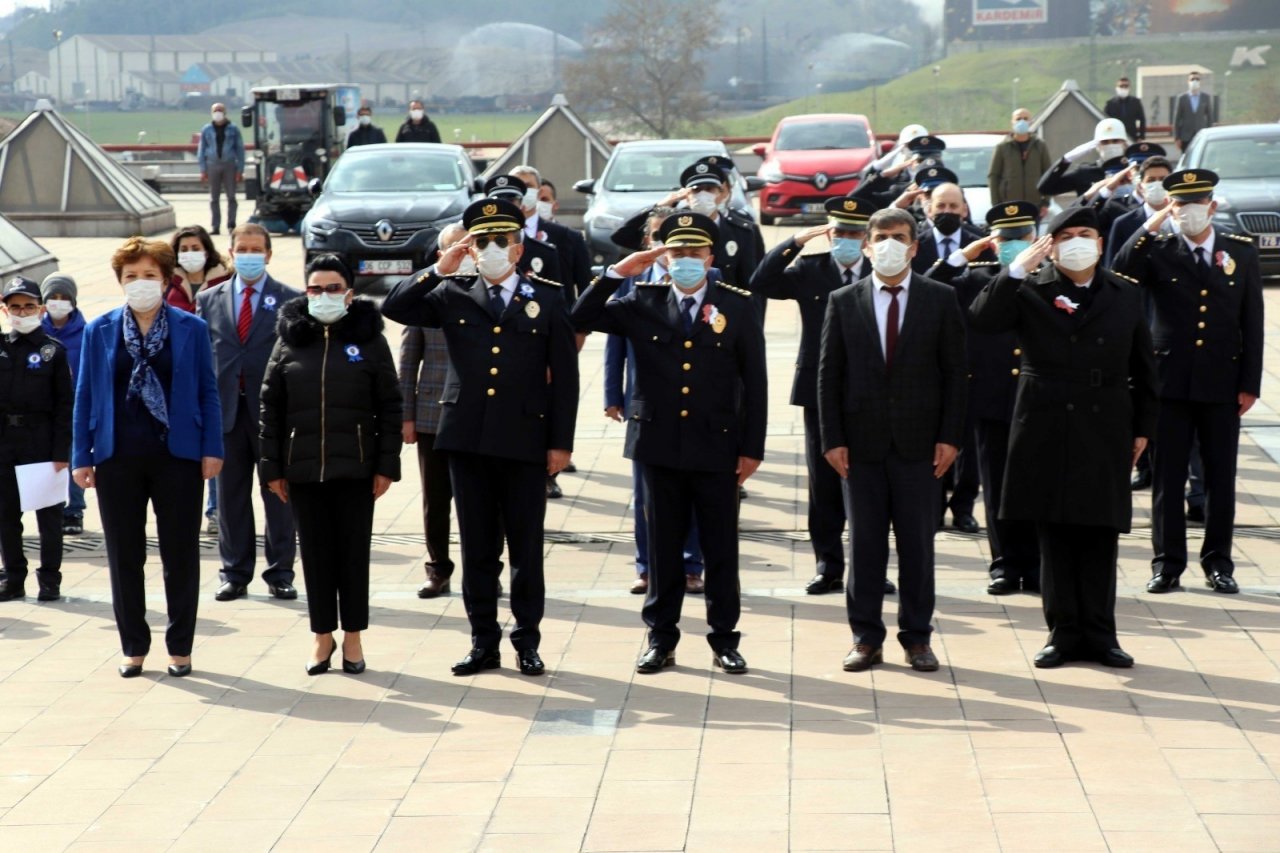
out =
column 1199, row 343
column 684, row 390
column 497, row 330
column 1200, row 325
column 1204, row 309
column 684, row 413
column 1017, row 351
column 493, row 371
column 496, row 350
column 687, row 366
column 687, row 344
column 491, row 392
column 1204, row 293
column 1015, row 371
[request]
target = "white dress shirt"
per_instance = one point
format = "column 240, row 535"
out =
column 881, row 300
column 1207, row 245
column 697, row 298
column 508, row 286
column 531, row 226
column 939, row 237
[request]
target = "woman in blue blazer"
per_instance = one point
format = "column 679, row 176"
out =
column 148, row 428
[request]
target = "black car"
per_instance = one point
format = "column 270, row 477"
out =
column 1246, row 158
column 383, row 206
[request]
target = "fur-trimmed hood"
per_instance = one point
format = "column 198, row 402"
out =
column 297, row 328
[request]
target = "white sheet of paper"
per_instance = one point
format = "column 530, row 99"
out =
column 40, row 486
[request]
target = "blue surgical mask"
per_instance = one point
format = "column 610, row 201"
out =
column 686, row 272
column 1010, row 249
column 250, row 265
column 1022, row 126
column 846, row 250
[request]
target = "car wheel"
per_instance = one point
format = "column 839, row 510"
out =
column 767, row 218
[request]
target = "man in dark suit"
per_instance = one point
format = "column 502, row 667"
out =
column 809, row 279
column 892, row 387
column 1205, row 287
column 1128, row 109
column 1085, row 409
column 1152, row 197
column 1192, row 112
column 994, row 366
column 241, row 314
column 696, row 422
column 510, row 406
column 575, row 257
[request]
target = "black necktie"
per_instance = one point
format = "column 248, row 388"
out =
column 848, row 276
column 686, row 312
column 946, row 248
column 496, row 304
column 1201, row 259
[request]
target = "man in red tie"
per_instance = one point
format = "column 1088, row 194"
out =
column 241, row 314
column 892, row 389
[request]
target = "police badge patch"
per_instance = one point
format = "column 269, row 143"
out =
column 731, row 248
column 536, row 264
column 48, row 351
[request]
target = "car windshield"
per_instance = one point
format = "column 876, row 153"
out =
column 393, row 172
column 811, row 136
column 969, row 164
column 650, row 171
column 1247, row 159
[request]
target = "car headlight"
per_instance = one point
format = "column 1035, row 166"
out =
column 605, row 221
column 322, row 227
column 771, row 172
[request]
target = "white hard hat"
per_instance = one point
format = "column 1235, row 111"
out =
column 910, row 132
column 1109, row 128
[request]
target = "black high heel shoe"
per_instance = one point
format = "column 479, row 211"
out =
column 179, row 670
column 353, row 667
column 130, row 670
column 321, row 667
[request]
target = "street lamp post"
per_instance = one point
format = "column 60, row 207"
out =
column 57, row 59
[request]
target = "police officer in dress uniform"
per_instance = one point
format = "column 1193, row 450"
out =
column 510, row 403
column 35, row 426
column 1206, row 293
column 538, row 256
column 918, row 154
column 1085, row 408
column 1072, row 174
column 809, row 279
column 695, row 423
column 994, row 367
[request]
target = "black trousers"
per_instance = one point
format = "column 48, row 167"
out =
column 673, row 497
column 237, row 534
column 902, row 494
column 335, row 525
column 48, row 520
column 826, row 501
column 175, row 490
column 1015, row 553
column 961, row 481
column 1078, row 587
column 496, row 495
column 1218, row 427
column 437, row 503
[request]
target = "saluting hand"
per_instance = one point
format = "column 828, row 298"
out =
column 449, row 260
column 975, row 249
column 637, row 262
column 1152, row 225
column 1032, row 256
column 809, row 233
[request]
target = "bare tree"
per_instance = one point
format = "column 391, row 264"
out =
column 643, row 65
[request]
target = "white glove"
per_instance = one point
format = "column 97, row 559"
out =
column 1084, row 149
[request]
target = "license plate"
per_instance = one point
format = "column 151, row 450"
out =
column 1269, row 241
column 385, row 267
column 815, row 207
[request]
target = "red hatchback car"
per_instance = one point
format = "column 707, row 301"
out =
column 810, row 159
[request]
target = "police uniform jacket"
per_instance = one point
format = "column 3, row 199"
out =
column 994, row 359
column 1207, row 326
column 700, row 400
column 1061, row 178
column 738, row 248
column 35, row 381
column 497, row 399
column 540, row 258
column 573, row 255
column 809, row 280
column 1086, row 388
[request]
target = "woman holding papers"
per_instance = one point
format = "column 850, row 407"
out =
column 148, row 429
column 35, row 440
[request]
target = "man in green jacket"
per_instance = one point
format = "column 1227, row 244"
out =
column 1018, row 162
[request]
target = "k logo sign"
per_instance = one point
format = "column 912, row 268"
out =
column 1250, row 56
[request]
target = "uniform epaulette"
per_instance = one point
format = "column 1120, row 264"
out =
column 984, row 264
column 666, row 282
column 1243, row 238
column 732, row 289
column 739, row 217
column 1127, row 278
column 540, row 280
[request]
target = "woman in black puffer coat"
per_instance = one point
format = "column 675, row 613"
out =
column 331, row 446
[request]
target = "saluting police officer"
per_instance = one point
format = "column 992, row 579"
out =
column 695, row 423
column 994, row 366
column 1205, row 289
column 510, row 403
column 537, row 256
column 809, row 279
column 35, row 426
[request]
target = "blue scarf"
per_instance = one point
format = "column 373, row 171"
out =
column 143, row 381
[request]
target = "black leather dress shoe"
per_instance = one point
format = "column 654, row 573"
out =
column 530, row 662
column 1163, row 583
column 965, row 523
column 822, row 584
column 1221, row 582
column 49, row 592
column 230, row 591
column 1141, row 480
column 1002, row 586
column 570, row 469
column 1031, row 585
column 477, row 660
column 9, row 591
column 282, row 591
column 554, row 492
column 1048, row 658
column 862, row 657
column 1195, row 515
column 889, row 588
column 655, row 659
column 730, row 661
column 179, row 670
column 1116, row 657
column 130, row 670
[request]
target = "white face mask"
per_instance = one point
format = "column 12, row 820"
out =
column 365, row 121
column 59, row 308
column 327, row 308
column 494, row 262
column 1193, row 218
column 466, row 266
column 417, row 115
column 544, row 209
column 25, row 325
column 1122, row 91
column 219, row 117
column 529, row 201
column 1155, row 193
column 1111, row 151
column 1078, row 253
column 889, row 257
column 1194, row 85
column 143, row 295
column 192, row 261
column 703, row 202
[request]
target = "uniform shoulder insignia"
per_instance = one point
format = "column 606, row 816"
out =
column 1243, row 238
column 1160, row 238
column 1124, row 277
column 984, row 264
column 666, row 282
column 732, row 289
column 540, row 280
